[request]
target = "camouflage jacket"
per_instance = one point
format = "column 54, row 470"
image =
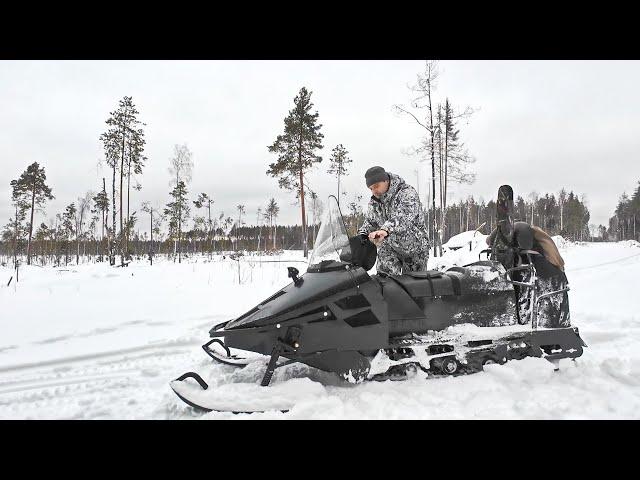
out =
column 398, row 211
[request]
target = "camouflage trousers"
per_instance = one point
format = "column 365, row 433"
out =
column 394, row 261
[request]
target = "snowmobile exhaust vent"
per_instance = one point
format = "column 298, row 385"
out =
column 354, row 301
column 362, row 319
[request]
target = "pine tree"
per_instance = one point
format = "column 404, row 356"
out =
column 42, row 235
column 31, row 191
column 241, row 211
column 178, row 212
column 154, row 228
column 68, row 227
column 205, row 201
column 339, row 162
column 84, row 205
column 135, row 158
column 15, row 230
column 272, row 212
column 101, row 204
column 259, row 216
column 123, row 144
column 296, row 149
column 316, row 209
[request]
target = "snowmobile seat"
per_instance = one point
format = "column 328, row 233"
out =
column 429, row 283
column 425, row 274
column 474, row 279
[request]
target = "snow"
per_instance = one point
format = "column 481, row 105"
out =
column 560, row 241
column 97, row 342
column 461, row 249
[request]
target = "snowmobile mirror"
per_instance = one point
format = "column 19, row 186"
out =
column 293, row 274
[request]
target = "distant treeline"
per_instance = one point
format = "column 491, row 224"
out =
column 625, row 223
column 564, row 215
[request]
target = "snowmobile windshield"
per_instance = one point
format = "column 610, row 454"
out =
column 331, row 247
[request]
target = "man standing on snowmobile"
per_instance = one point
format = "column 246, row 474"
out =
column 395, row 223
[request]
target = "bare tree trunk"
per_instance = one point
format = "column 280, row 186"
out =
column 15, row 240
column 433, row 166
column 304, row 223
column 151, row 246
column 112, row 248
column 210, row 233
column 33, row 199
column 121, row 184
column 446, row 164
column 128, row 190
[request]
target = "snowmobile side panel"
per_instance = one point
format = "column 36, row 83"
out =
column 477, row 294
column 352, row 366
column 322, row 325
column 316, row 286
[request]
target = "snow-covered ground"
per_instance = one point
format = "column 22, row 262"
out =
column 98, row 342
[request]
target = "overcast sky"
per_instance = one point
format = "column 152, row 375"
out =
column 540, row 125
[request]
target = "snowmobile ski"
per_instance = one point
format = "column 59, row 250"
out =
column 244, row 397
column 194, row 397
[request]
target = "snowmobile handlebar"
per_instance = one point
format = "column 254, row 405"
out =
column 508, row 278
column 534, row 323
column 486, row 250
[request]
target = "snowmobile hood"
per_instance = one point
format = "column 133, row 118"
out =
column 286, row 303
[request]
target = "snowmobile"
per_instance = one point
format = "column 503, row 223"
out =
column 337, row 318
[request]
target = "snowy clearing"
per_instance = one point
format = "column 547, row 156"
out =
column 95, row 342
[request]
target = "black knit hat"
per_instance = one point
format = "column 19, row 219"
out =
column 375, row 175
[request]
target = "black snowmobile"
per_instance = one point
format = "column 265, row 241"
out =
column 338, row 318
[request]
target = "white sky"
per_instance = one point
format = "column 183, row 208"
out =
column 542, row 125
